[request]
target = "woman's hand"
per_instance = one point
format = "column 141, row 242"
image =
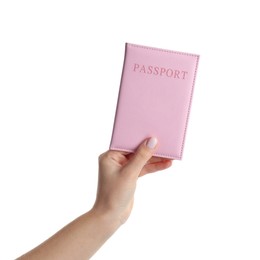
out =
column 118, row 174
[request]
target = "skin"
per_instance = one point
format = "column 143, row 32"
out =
column 118, row 175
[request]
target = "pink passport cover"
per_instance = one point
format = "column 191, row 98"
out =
column 154, row 99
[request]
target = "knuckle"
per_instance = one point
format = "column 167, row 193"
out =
column 103, row 156
column 100, row 157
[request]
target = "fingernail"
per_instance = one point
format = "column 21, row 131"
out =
column 151, row 143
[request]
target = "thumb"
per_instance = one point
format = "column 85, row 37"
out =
column 143, row 153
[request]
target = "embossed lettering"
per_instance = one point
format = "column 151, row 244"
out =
column 176, row 74
column 156, row 71
column 136, row 66
column 169, row 73
column 160, row 71
column 142, row 69
column 184, row 73
column 150, row 70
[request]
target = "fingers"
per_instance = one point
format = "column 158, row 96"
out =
column 142, row 156
column 152, row 160
column 156, row 159
column 141, row 162
column 157, row 166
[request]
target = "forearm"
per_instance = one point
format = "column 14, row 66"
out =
column 118, row 174
column 78, row 240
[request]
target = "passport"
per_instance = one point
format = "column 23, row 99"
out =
column 154, row 99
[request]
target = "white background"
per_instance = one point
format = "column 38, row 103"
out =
column 60, row 68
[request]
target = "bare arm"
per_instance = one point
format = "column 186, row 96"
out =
column 118, row 174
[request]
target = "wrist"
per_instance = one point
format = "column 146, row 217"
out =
column 106, row 219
